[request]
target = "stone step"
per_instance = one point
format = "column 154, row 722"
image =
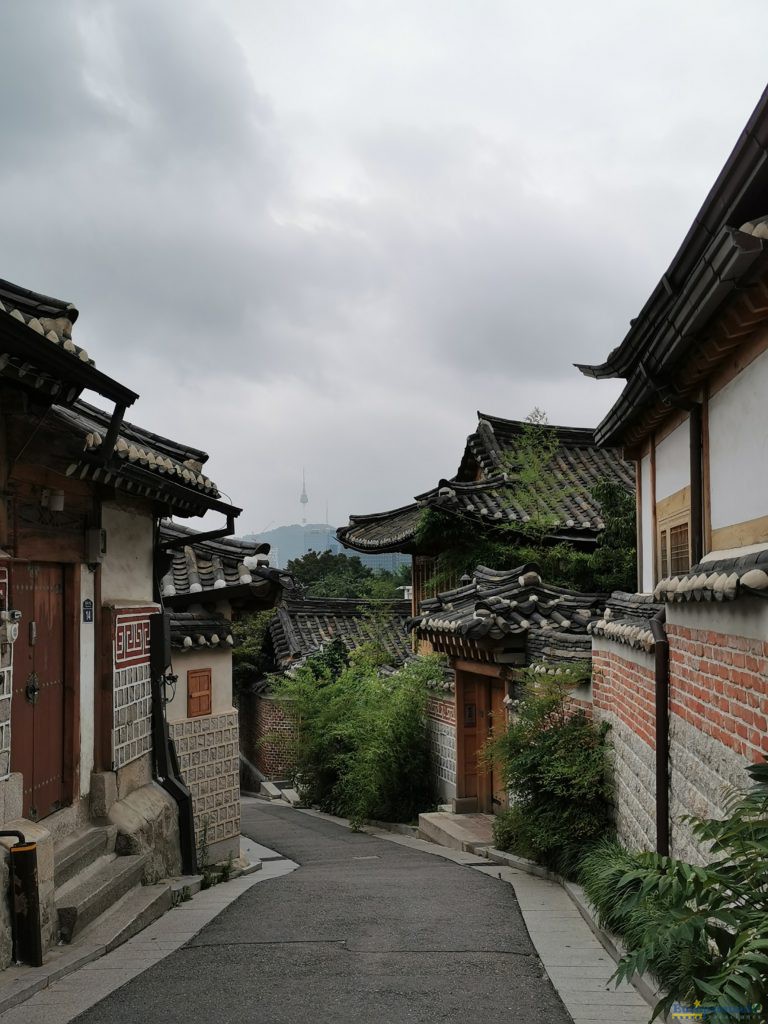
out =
column 79, row 850
column 134, row 911
column 87, row 895
column 292, row 797
column 466, row 832
column 270, row 791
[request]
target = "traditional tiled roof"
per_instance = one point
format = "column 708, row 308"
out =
column 627, row 620
column 143, row 463
column 496, row 606
column 37, row 351
column 221, row 568
column 193, row 630
column 484, row 489
column 711, row 297
column 302, row 625
column 723, row 579
column 51, row 318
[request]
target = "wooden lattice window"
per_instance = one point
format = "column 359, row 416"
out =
column 663, row 553
column 679, row 549
column 198, row 692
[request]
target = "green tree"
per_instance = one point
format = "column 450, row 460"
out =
column 464, row 544
column 324, row 574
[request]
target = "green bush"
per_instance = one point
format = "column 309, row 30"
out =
column 556, row 767
column 362, row 748
column 701, row 931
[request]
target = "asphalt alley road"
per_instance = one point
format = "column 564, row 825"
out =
column 364, row 930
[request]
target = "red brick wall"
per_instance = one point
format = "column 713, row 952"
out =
column 719, row 685
column 442, row 710
column 625, row 689
column 267, row 735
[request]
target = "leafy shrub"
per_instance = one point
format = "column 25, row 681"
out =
column 556, row 766
column 701, row 931
column 362, row 748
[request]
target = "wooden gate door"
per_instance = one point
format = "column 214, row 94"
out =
column 480, row 708
column 37, row 713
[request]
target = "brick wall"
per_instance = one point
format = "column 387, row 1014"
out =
column 718, row 722
column 267, row 735
column 623, row 695
column 207, row 748
column 442, row 733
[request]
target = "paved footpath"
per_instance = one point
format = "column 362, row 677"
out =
column 365, row 929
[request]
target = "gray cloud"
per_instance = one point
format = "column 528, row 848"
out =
column 324, row 234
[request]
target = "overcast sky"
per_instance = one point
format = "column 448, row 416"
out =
column 323, row 233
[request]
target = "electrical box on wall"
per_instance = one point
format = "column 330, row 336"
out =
column 95, row 545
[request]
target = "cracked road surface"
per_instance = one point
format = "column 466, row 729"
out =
column 364, row 930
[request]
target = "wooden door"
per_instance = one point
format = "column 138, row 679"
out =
column 480, row 706
column 37, row 713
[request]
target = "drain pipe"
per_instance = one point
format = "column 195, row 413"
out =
column 661, row 650
column 25, row 900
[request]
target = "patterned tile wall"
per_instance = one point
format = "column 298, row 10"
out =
column 208, row 753
column 131, row 687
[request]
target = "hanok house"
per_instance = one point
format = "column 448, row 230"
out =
column 690, row 715
column 207, row 584
column 482, row 495
column 83, row 738
column 490, row 627
column 301, row 627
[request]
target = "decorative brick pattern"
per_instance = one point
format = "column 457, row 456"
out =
column 131, row 714
column 443, row 746
column 131, row 687
column 442, row 710
column 6, row 686
column 207, row 749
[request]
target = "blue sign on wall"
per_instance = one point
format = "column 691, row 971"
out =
column 87, row 610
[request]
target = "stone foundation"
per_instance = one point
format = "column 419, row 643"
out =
column 147, row 822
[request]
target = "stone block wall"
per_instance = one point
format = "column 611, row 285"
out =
column 718, row 723
column 623, row 693
column 207, row 749
column 442, row 730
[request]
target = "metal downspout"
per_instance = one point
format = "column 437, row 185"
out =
column 661, row 651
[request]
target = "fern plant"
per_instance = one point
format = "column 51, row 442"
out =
column 702, row 931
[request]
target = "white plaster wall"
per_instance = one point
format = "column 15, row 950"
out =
column 673, row 461
column 747, row 617
column 126, row 572
column 738, row 447
column 646, row 524
column 87, row 682
column 219, row 661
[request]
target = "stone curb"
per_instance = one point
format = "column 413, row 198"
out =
column 643, row 983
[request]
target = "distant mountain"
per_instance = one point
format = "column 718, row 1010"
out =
column 288, row 542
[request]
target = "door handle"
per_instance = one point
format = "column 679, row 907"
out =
column 32, row 633
column 32, row 690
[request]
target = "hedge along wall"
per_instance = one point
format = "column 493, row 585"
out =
column 718, row 716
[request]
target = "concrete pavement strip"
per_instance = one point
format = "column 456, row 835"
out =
column 82, row 979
